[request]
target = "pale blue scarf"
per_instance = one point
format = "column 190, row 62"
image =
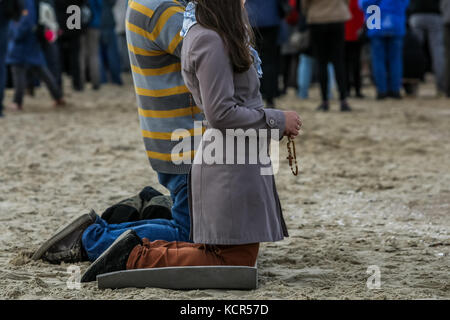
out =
column 190, row 21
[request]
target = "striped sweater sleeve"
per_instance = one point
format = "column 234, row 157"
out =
column 170, row 16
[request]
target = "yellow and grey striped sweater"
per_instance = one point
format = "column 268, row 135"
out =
column 165, row 104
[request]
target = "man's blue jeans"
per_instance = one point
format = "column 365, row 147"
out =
column 3, row 46
column 110, row 56
column 305, row 74
column 99, row 236
column 387, row 63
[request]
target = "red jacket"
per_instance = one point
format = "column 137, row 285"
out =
column 294, row 16
column 355, row 24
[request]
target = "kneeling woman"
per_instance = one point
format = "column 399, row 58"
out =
column 233, row 206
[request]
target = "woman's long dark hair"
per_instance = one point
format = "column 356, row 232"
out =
column 230, row 20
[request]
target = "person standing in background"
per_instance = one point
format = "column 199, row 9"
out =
column 445, row 10
column 353, row 46
column 52, row 57
column 120, row 12
column 25, row 55
column 387, row 46
column 265, row 19
column 307, row 64
column 427, row 23
column 326, row 19
column 50, row 47
column 289, row 49
column 4, row 23
column 70, row 41
column 414, row 63
column 90, row 46
column 108, row 44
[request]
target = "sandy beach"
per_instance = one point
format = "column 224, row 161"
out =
column 373, row 190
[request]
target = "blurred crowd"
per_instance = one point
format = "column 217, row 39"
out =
column 39, row 42
column 337, row 43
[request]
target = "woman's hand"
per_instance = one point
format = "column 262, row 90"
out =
column 293, row 124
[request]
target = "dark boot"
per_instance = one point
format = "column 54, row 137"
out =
column 270, row 103
column 325, row 107
column 65, row 245
column 395, row 95
column 345, row 107
column 114, row 258
column 381, row 96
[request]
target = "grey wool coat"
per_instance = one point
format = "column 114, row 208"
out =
column 231, row 204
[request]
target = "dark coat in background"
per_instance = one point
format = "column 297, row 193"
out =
column 24, row 47
column 424, row 6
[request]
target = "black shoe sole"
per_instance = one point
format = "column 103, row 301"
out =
column 99, row 266
column 85, row 219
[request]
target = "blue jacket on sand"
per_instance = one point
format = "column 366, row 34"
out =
column 263, row 13
column 393, row 17
column 24, row 47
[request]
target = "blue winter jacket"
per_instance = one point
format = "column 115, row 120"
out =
column 24, row 47
column 96, row 9
column 393, row 17
column 263, row 13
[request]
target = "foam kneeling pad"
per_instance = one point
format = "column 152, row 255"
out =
column 159, row 207
column 183, row 278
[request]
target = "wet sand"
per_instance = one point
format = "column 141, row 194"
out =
column 374, row 189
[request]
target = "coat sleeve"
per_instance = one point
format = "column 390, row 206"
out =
column 212, row 67
column 170, row 23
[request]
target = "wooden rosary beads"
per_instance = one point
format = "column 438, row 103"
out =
column 292, row 158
